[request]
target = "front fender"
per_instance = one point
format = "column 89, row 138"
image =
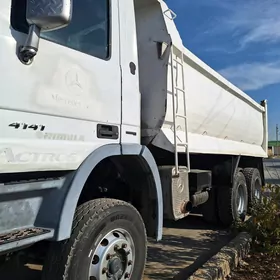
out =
column 80, row 177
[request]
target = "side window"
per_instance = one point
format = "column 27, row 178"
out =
column 88, row 32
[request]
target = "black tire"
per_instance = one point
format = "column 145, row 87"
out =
column 228, row 201
column 209, row 209
column 95, row 221
column 254, row 184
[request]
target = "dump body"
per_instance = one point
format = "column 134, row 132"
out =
column 221, row 118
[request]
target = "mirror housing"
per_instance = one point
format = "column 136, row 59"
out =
column 43, row 16
column 49, row 15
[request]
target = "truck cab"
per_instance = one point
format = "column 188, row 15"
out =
column 70, row 127
column 79, row 92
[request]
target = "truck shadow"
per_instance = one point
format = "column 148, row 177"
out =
column 186, row 246
column 13, row 270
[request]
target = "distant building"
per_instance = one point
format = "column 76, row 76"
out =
column 273, row 148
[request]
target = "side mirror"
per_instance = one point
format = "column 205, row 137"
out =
column 43, row 16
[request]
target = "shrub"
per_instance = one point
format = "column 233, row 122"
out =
column 264, row 226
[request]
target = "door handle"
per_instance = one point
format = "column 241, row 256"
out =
column 107, row 131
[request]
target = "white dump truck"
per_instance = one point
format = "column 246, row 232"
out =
column 108, row 126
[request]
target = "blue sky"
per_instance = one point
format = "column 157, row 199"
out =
column 241, row 40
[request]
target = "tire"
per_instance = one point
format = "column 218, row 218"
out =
column 233, row 201
column 254, row 184
column 105, row 237
column 209, row 209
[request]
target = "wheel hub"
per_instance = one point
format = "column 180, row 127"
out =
column 115, row 266
column 257, row 193
column 240, row 200
column 113, row 258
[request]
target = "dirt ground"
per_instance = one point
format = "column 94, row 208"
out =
column 258, row 266
column 186, row 245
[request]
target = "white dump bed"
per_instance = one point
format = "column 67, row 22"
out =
column 221, row 118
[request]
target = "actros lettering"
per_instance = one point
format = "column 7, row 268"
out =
column 7, row 155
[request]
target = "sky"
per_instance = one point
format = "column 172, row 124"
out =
column 240, row 39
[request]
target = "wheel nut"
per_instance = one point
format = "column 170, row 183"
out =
column 116, row 248
column 108, row 257
column 124, row 245
column 104, row 270
column 127, row 275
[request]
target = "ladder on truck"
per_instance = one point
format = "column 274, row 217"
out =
column 177, row 63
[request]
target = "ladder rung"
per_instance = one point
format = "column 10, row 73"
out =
column 180, row 89
column 179, row 62
column 183, row 144
column 181, row 116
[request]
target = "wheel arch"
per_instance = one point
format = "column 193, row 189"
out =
column 149, row 167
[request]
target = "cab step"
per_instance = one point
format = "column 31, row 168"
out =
column 23, row 237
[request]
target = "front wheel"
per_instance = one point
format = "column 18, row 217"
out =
column 108, row 242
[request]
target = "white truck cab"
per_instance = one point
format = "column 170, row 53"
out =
column 69, row 101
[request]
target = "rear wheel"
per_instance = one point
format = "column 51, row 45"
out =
column 254, row 184
column 108, row 242
column 233, row 200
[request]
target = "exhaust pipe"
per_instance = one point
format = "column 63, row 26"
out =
column 196, row 200
column 200, row 198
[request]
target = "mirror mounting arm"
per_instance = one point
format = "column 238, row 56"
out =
column 30, row 48
column 43, row 15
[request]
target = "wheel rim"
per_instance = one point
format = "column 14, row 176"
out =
column 241, row 200
column 257, row 192
column 113, row 258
